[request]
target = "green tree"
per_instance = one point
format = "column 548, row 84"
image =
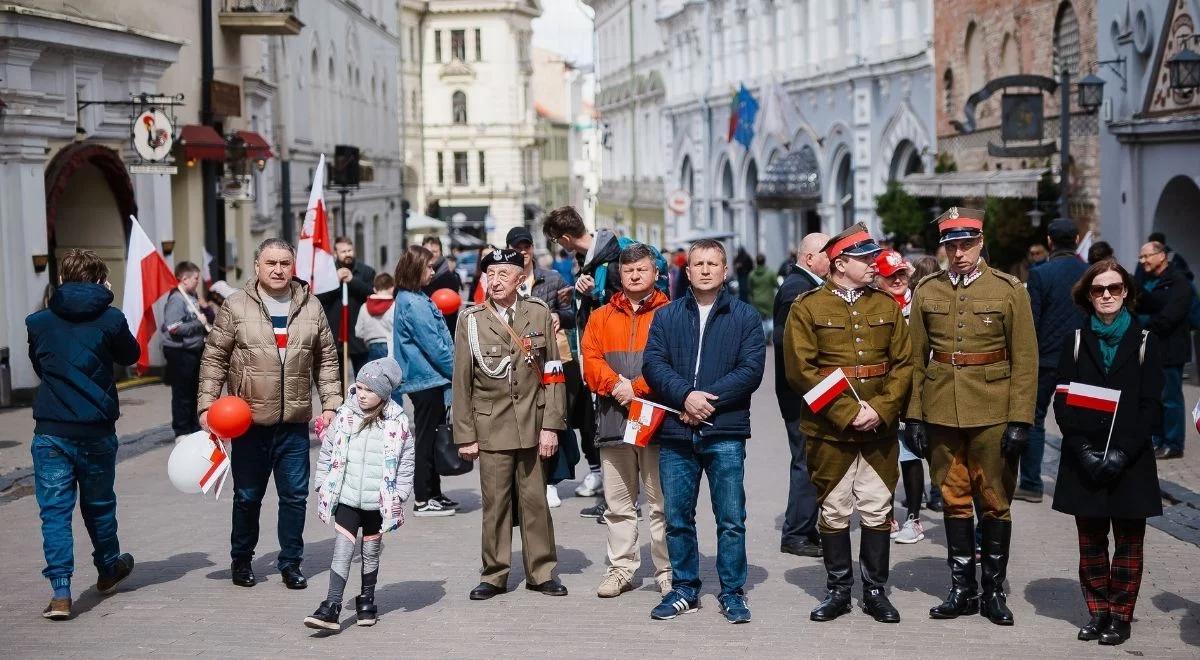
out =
column 900, row 212
column 1008, row 231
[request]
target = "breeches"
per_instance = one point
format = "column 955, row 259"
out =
column 970, row 470
column 853, row 475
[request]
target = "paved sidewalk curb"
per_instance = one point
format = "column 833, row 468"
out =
column 19, row 483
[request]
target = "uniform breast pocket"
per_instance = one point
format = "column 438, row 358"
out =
column 830, row 324
column 881, row 330
column 538, row 344
column 493, row 354
column 989, row 317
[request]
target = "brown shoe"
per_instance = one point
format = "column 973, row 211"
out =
column 59, row 609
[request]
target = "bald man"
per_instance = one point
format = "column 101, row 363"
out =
column 800, row 521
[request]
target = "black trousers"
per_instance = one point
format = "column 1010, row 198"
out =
column 183, row 375
column 800, row 517
column 581, row 413
column 429, row 410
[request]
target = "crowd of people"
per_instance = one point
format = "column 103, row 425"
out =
column 644, row 365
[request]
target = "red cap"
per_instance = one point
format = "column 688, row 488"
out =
column 890, row 261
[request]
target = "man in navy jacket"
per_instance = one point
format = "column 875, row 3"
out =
column 705, row 357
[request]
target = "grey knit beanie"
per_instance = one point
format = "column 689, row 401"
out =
column 381, row 376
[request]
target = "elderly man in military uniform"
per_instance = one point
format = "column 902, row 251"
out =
column 972, row 402
column 509, row 403
column 847, row 326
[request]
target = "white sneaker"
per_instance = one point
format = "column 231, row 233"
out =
column 895, row 529
column 911, row 532
column 552, row 497
column 591, row 485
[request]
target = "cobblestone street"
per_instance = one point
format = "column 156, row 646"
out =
column 179, row 601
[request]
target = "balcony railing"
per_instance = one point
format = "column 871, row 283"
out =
column 260, row 17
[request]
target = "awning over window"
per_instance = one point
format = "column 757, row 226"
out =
column 463, row 216
column 461, row 239
column 791, row 180
column 201, row 143
column 256, row 147
column 1013, row 184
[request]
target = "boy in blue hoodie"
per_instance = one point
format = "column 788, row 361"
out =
column 73, row 344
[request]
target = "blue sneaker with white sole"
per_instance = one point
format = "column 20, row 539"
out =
column 734, row 607
column 674, row 604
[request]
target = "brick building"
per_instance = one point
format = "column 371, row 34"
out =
column 976, row 41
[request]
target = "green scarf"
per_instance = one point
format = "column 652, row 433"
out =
column 1110, row 335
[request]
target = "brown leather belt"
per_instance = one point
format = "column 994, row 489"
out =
column 860, row 371
column 960, row 359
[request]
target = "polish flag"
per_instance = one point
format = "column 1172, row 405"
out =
column 1085, row 245
column 827, row 390
column 147, row 278
column 553, row 373
column 218, row 464
column 644, row 419
column 314, row 254
column 1092, row 397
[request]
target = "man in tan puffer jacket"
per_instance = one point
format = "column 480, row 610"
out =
column 269, row 344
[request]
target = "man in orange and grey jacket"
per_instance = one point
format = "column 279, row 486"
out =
column 612, row 368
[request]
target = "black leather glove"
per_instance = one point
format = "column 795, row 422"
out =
column 1112, row 466
column 1016, row 436
column 1089, row 459
column 915, row 437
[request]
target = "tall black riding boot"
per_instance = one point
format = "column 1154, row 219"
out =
column 873, row 554
column 994, row 569
column 835, row 551
column 960, row 550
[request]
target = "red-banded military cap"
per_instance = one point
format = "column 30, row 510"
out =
column 958, row 223
column 854, row 242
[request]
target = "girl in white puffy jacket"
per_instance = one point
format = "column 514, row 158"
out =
column 364, row 478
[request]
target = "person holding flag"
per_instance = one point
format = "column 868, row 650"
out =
column 612, row 357
column 1108, row 407
column 847, row 348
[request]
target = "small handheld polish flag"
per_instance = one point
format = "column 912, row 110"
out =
column 644, row 419
column 1100, row 399
column 827, row 390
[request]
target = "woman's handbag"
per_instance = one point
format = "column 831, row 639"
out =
column 446, row 460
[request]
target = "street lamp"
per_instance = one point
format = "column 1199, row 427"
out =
column 1091, row 92
column 1184, row 67
column 1035, row 217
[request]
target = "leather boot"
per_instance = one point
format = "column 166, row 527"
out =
column 873, row 552
column 963, row 598
column 994, row 569
column 835, row 551
column 364, row 607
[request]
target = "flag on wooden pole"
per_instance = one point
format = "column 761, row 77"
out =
column 314, row 255
column 147, row 278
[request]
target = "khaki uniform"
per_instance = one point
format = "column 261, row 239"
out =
column 503, row 406
column 850, row 469
column 968, row 407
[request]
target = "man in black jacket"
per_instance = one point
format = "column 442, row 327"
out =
column 444, row 277
column 799, row 535
column 360, row 282
column 1162, row 308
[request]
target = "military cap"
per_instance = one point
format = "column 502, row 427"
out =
column 958, row 223
column 501, row 256
column 856, row 241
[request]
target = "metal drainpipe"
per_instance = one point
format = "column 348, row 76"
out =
column 278, row 62
column 208, row 169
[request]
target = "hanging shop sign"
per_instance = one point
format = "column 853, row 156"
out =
column 153, row 135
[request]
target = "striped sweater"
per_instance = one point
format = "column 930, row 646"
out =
column 277, row 309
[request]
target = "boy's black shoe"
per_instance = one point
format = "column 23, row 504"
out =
column 120, row 570
column 367, row 612
column 243, row 574
column 326, row 617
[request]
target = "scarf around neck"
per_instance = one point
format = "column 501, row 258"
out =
column 1110, row 335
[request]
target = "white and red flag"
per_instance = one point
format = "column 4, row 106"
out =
column 827, row 390
column 218, row 465
column 147, row 278
column 1091, row 397
column 315, row 263
column 644, row 419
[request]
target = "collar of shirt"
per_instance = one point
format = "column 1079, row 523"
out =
column 969, row 277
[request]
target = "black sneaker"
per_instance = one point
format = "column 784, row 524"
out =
column 446, row 502
column 326, row 617
column 431, row 509
column 596, row 511
column 120, row 570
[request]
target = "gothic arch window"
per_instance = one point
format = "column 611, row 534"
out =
column 1066, row 39
column 845, row 191
column 458, row 103
column 1009, row 64
column 974, row 50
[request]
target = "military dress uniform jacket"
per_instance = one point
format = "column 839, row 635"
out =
column 823, row 330
column 508, row 412
column 989, row 314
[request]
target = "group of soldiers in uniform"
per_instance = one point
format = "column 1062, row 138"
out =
column 959, row 374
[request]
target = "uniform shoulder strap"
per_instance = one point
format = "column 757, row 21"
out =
column 1077, row 334
column 1142, row 350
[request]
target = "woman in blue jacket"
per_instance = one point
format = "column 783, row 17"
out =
column 425, row 351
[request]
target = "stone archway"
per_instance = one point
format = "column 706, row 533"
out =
column 89, row 198
column 1175, row 215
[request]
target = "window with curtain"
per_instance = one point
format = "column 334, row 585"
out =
column 458, row 45
column 437, row 45
column 441, row 169
column 461, row 173
column 478, row 45
column 482, row 168
column 458, row 104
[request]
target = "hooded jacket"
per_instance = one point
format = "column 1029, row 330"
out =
column 606, row 250
column 73, row 344
column 241, row 354
column 612, row 347
column 375, row 320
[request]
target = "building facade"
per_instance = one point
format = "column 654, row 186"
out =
column 1150, row 140
column 844, row 94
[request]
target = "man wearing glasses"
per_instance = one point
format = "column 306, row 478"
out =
column 1162, row 308
column 974, row 387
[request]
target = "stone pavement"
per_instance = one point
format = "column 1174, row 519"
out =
column 179, row 601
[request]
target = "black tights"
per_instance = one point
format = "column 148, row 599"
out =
column 913, row 474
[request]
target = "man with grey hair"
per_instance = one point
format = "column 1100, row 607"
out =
column 269, row 344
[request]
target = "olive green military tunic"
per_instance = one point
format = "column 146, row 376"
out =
column 824, row 331
column 968, row 407
column 501, row 403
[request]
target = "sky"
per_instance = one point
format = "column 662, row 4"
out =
column 565, row 28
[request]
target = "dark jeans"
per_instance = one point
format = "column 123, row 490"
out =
column 800, row 518
column 721, row 460
column 429, row 410
column 281, row 450
column 183, row 374
column 376, row 350
column 1031, row 458
column 61, row 467
column 1173, row 414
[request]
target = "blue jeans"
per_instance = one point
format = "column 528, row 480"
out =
column 60, row 467
column 376, row 350
column 800, row 517
column 1173, row 413
column 680, row 464
column 281, row 450
column 1035, row 450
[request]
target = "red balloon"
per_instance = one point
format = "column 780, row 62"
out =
column 447, row 300
column 229, row 417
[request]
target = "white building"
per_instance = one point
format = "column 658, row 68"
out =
column 855, row 111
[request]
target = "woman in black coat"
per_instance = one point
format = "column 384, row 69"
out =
column 1117, row 488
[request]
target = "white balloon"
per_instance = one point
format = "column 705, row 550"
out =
column 189, row 461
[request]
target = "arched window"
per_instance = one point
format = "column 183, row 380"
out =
column 687, row 181
column 1009, row 64
column 845, row 191
column 975, row 48
column 1066, row 39
column 458, row 103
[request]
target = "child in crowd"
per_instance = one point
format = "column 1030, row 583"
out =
column 374, row 324
column 364, row 478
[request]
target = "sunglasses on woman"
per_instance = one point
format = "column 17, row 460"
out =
column 1113, row 290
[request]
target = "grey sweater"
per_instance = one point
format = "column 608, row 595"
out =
column 180, row 327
